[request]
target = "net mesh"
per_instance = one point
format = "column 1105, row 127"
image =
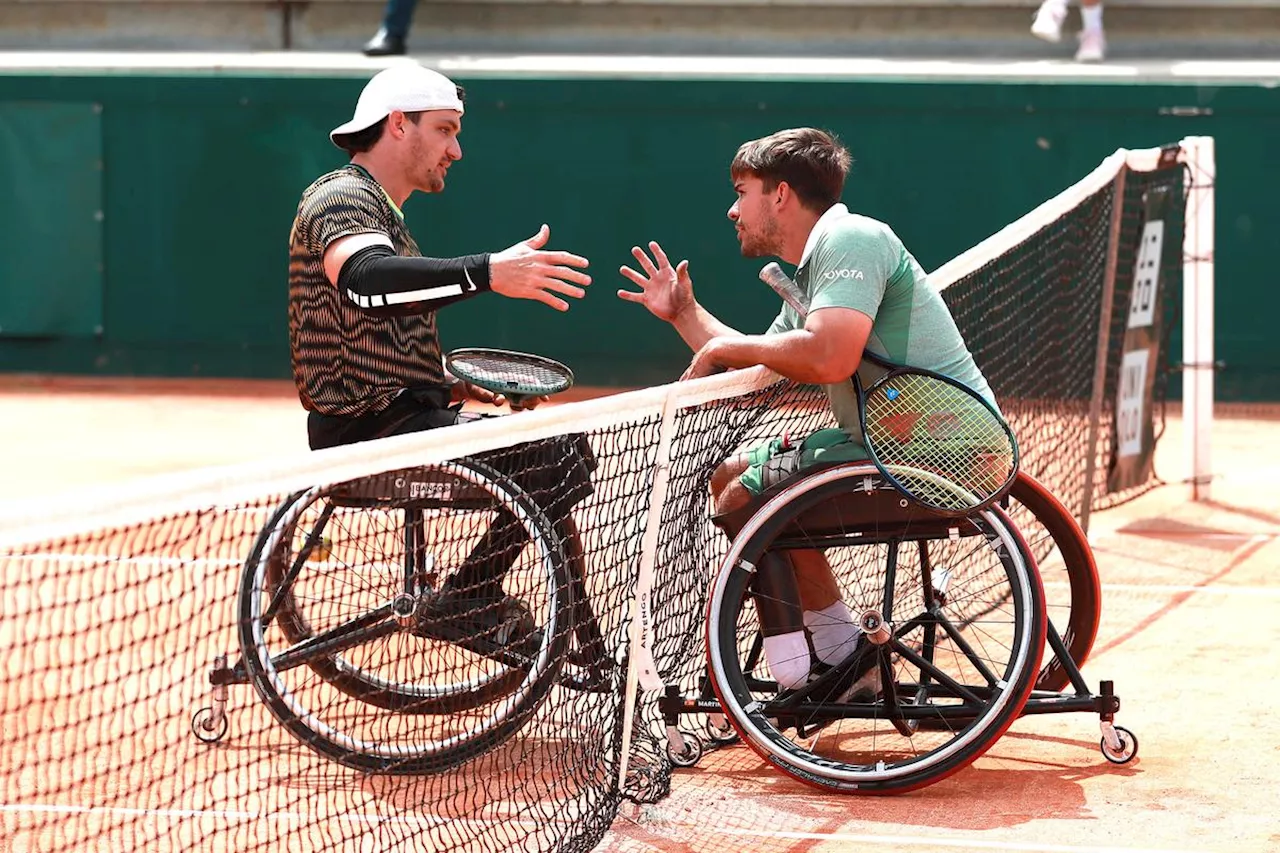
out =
column 425, row 643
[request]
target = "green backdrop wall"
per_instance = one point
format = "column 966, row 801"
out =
column 145, row 217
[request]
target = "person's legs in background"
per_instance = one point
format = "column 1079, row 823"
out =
column 1093, row 43
column 1053, row 13
column 389, row 40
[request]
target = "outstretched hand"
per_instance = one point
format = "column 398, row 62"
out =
column 665, row 290
column 528, row 271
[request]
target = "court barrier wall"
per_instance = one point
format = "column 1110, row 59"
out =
column 146, row 213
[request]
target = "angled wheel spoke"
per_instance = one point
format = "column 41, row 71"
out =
column 927, row 667
column 967, row 649
column 314, row 538
column 370, row 626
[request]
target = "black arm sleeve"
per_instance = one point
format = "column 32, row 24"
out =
column 384, row 284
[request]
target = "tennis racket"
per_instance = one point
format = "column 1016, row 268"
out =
column 933, row 438
column 515, row 375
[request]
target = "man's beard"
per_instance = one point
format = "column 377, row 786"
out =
column 751, row 248
column 431, row 181
column 761, row 245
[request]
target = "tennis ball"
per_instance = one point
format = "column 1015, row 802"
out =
column 322, row 551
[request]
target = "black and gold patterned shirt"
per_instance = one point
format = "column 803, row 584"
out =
column 345, row 361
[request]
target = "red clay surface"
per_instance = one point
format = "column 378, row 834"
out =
column 1188, row 634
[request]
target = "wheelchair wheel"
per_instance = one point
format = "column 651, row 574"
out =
column 586, row 665
column 1072, row 593
column 307, row 517
column 339, row 629
column 955, row 626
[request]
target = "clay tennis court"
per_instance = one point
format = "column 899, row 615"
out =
column 1188, row 635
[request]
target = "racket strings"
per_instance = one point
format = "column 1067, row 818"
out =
column 945, row 447
column 530, row 375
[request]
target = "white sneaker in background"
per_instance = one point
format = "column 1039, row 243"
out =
column 1049, row 19
column 1093, row 46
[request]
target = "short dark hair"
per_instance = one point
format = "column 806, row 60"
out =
column 814, row 163
column 363, row 140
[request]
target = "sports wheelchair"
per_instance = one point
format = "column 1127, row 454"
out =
column 343, row 636
column 953, row 618
column 350, row 634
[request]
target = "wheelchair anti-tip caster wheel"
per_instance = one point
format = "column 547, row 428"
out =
column 208, row 726
column 689, row 755
column 719, row 730
column 1124, row 748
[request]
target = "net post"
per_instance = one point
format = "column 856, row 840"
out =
column 641, row 668
column 1197, row 312
column 1104, row 343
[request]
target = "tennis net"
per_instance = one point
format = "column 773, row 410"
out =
column 459, row 640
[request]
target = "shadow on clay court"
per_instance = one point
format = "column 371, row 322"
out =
column 1017, row 791
column 1255, row 514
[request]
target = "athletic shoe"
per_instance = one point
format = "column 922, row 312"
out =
column 384, row 44
column 1049, row 19
column 1093, row 46
column 857, row 684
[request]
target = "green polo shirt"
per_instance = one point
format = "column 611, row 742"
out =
column 853, row 261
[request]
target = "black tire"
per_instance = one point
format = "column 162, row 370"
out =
column 1128, row 747
column 339, row 700
column 587, row 664
column 1073, row 595
column 204, row 727
column 988, row 596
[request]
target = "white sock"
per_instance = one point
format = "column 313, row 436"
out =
column 1091, row 17
column 788, row 659
column 834, row 632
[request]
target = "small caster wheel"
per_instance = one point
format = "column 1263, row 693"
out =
column 1128, row 747
column 691, row 754
column 207, row 728
column 719, row 730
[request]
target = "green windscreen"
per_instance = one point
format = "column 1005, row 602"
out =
column 51, row 268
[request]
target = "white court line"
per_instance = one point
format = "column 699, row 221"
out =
column 223, row 563
column 228, row 815
column 1212, row 589
column 923, row 841
column 1100, row 536
column 934, row 842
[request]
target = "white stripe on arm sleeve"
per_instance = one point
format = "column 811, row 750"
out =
column 383, row 283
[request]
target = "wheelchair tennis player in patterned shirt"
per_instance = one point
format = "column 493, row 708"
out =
column 362, row 319
column 864, row 290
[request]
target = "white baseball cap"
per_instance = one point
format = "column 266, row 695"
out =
column 407, row 87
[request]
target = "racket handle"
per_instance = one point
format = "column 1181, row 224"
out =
column 516, row 401
column 781, row 284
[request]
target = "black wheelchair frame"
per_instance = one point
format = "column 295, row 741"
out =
column 963, row 718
